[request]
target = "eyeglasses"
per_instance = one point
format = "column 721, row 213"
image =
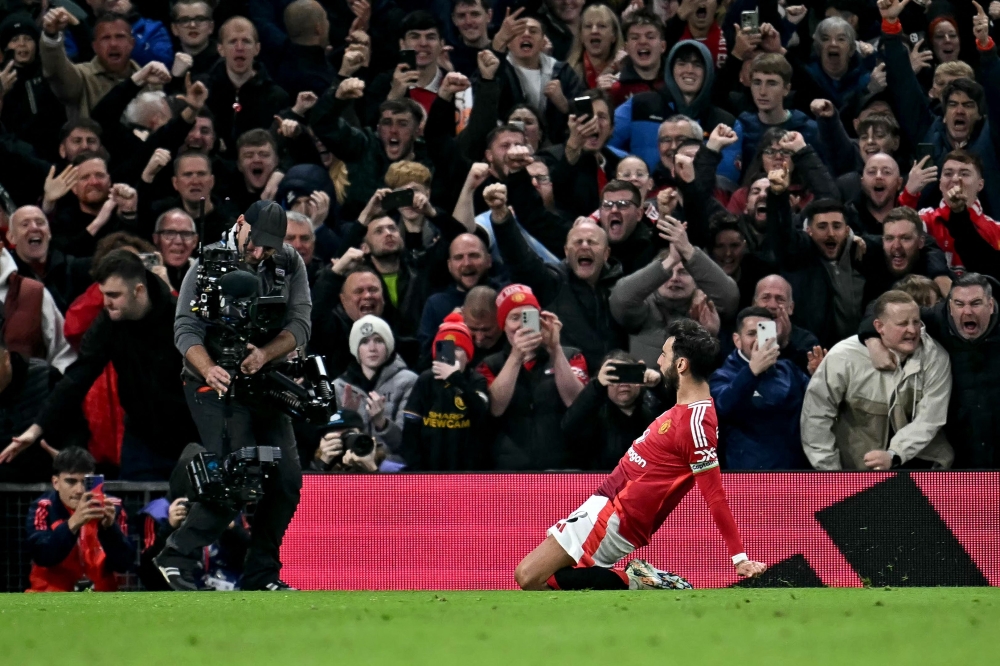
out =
column 672, row 140
column 192, row 20
column 776, row 152
column 628, row 175
column 541, row 180
column 173, row 234
column 620, row 205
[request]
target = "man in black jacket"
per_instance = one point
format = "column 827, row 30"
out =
column 134, row 333
column 303, row 64
column 965, row 324
column 242, row 96
column 584, row 161
column 818, row 262
column 577, row 290
column 65, row 277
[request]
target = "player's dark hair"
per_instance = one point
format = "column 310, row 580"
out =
column 697, row 345
column 73, row 460
column 752, row 311
column 121, row 263
column 405, row 105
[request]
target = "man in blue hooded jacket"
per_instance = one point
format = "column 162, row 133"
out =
column 688, row 79
column 758, row 397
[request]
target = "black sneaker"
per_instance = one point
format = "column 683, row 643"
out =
column 177, row 572
column 277, row 586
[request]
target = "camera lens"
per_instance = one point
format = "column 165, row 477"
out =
column 359, row 444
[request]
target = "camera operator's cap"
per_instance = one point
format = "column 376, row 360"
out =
column 268, row 224
column 514, row 296
column 346, row 419
column 453, row 328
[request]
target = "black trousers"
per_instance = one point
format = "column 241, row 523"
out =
column 205, row 522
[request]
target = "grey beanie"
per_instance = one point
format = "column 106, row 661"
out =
column 367, row 326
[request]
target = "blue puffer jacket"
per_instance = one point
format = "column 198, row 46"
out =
column 759, row 416
column 750, row 129
column 637, row 121
column 840, row 91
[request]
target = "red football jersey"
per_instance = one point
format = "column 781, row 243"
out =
column 662, row 465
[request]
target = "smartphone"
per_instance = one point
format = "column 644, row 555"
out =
column 629, row 373
column 94, row 483
column 530, row 320
column 149, row 260
column 516, row 123
column 408, row 57
column 916, row 36
column 750, row 21
column 397, row 199
column 924, row 150
column 8, row 56
column 766, row 330
column 583, row 106
column 444, row 351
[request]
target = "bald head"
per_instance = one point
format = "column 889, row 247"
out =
column 29, row 233
column 468, row 260
column 587, row 250
column 773, row 293
column 306, row 23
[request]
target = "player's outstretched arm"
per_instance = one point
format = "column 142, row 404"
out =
column 710, row 484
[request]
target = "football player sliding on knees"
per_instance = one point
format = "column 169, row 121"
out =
column 675, row 452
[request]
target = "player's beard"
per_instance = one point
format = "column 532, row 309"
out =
column 671, row 379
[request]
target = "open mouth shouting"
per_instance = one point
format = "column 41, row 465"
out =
column 898, row 261
column 526, row 46
column 970, row 326
column 701, row 13
column 830, row 247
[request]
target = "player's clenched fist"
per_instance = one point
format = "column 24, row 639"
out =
column 517, row 158
column 750, row 569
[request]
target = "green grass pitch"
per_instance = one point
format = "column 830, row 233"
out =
column 735, row 627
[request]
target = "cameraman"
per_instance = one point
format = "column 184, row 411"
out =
column 258, row 239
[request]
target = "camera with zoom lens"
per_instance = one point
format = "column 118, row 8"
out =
column 234, row 480
column 229, row 300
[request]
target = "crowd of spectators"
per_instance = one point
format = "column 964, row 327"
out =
column 545, row 184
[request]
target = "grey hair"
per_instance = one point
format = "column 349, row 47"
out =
column 697, row 132
column 972, row 280
column 294, row 216
column 835, row 24
column 140, row 109
column 173, row 211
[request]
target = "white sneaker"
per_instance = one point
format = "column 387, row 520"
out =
column 644, row 576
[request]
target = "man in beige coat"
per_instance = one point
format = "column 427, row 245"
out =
column 81, row 86
column 855, row 417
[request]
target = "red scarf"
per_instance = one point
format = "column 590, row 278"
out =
column 715, row 42
column 589, row 72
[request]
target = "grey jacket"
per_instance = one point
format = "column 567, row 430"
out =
column 850, row 406
column 645, row 314
column 189, row 328
column 394, row 383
